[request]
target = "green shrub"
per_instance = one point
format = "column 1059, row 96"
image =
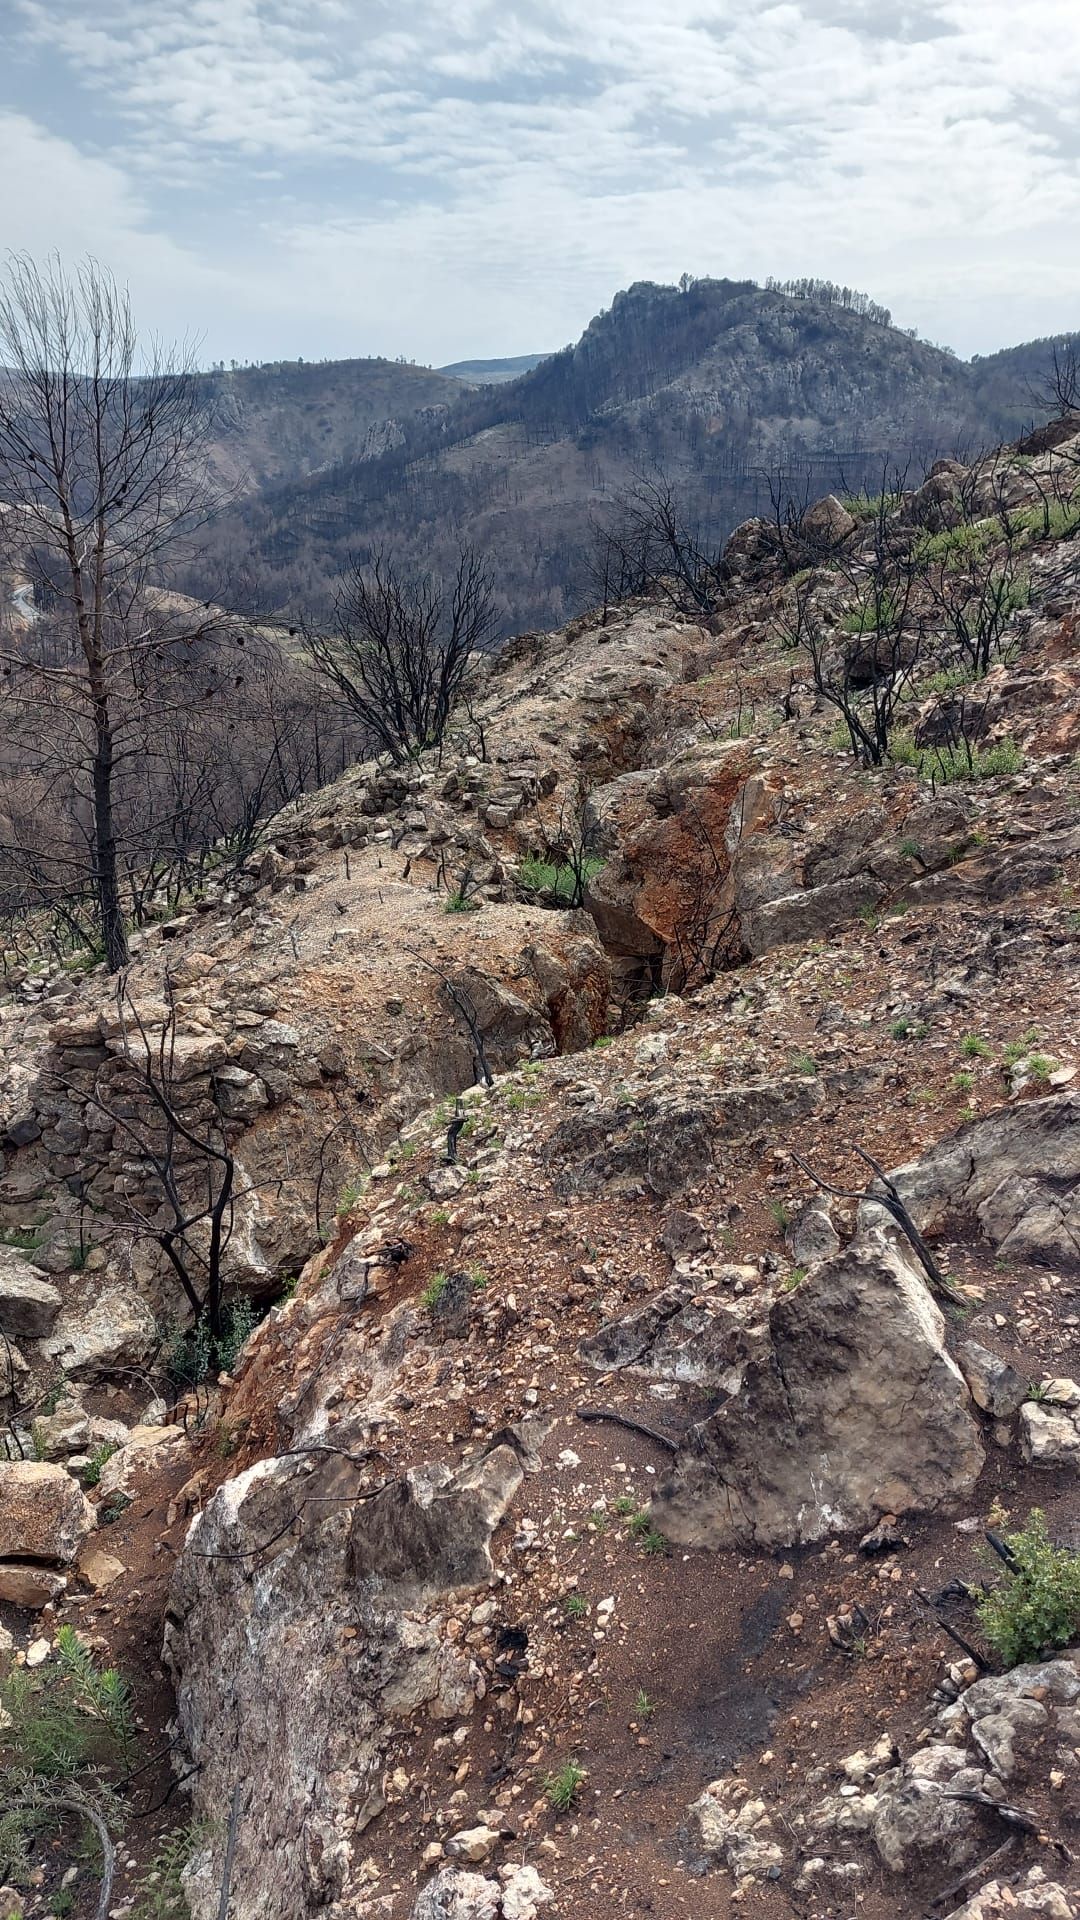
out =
column 971, row 539
column 191, row 1353
column 562, row 883
column 461, row 903
column 65, row 1730
column 434, row 1290
column 1035, row 1607
column 875, row 615
column 947, row 765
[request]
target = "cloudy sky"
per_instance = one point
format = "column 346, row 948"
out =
column 449, row 178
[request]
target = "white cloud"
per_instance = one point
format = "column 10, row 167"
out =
column 444, row 176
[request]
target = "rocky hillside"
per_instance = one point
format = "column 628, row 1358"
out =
column 287, row 420
column 661, row 1298
column 717, row 383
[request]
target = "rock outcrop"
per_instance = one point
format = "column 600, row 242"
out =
column 304, row 1626
column 854, row 1409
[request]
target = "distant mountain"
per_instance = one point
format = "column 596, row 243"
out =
column 491, row 373
column 291, row 417
column 716, row 383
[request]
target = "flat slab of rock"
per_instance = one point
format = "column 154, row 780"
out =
column 29, row 1303
column 852, row 1409
column 44, row 1514
column 22, row 1585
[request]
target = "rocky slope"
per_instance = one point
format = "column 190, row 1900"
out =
column 579, row 1531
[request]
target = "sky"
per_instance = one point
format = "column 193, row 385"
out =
column 444, row 179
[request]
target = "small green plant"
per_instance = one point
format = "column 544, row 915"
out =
column 876, row 614
column 562, row 1786
column 870, row 917
column 162, row 1895
column 1040, row 1066
column 461, row 903
column 804, row 1063
column 625, row 1504
column 575, row 1606
column 434, row 1290
column 904, row 1028
column 439, row 1216
column 974, row 1047
column 1035, row 1606
column 780, row 1215
column 963, row 1082
column 793, row 1279
column 91, row 1473
column 109, row 1510
column 1016, row 1050
column 602, row 1040
column 653, row 1542
column 644, row 1708
column 351, row 1193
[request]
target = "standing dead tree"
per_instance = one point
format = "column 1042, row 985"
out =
column 864, row 668
column 102, row 472
column 175, row 1133
column 400, row 648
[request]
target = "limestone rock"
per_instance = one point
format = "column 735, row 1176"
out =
column 853, row 1409
column 674, row 1336
column 341, row 1611
column 1015, row 1172
column 58, row 1434
column 472, row 1844
column 523, row 1893
column 1049, row 1436
column 23, row 1585
column 115, row 1330
column 995, row 1386
column 811, row 1236
column 457, row 1895
column 827, row 522
column 145, row 1450
column 98, row 1568
column 44, row 1514
column 738, row 1832
column 1006, row 1899
column 29, row 1303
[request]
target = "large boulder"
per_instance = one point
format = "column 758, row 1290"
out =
column 114, row 1330
column 29, row 1303
column 853, row 1409
column 44, row 1514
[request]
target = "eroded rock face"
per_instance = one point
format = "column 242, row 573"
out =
column 853, row 1409
column 296, row 1660
column 1015, row 1173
